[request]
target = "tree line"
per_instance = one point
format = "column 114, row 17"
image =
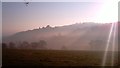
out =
column 26, row 45
column 42, row 44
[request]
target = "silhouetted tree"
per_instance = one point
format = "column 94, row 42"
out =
column 43, row 27
column 38, row 45
column 11, row 45
column 48, row 26
column 42, row 44
column 19, row 44
column 34, row 45
column 4, row 45
column 25, row 44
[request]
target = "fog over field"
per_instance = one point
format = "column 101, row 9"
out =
column 79, row 36
column 59, row 33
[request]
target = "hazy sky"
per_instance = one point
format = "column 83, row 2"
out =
column 19, row 17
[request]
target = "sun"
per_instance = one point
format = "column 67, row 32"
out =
column 108, row 12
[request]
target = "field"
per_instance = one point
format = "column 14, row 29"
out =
column 23, row 57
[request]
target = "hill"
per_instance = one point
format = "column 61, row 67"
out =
column 73, row 37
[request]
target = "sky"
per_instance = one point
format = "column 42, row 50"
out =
column 16, row 16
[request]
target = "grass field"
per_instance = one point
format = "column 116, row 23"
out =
column 22, row 57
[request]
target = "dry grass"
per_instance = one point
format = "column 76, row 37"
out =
column 53, row 58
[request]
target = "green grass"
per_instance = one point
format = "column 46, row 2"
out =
column 22, row 57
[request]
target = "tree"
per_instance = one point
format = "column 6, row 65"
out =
column 42, row 44
column 34, row 45
column 48, row 26
column 4, row 45
column 11, row 45
column 25, row 44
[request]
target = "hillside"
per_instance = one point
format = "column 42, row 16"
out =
column 75, row 36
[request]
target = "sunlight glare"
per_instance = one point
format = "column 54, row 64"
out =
column 108, row 12
column 113, row 45
column 107, row 46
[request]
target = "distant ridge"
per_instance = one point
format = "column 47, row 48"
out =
column 76, row 36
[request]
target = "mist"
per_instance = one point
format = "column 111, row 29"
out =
column 79, row 36
column 60, row 34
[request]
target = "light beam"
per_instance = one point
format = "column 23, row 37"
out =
column 107, row 46
column 113, row 45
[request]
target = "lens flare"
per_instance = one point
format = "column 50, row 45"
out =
column 107, row 46
column 113, row 45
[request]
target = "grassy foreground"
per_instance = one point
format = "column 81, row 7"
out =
column 22, row 57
